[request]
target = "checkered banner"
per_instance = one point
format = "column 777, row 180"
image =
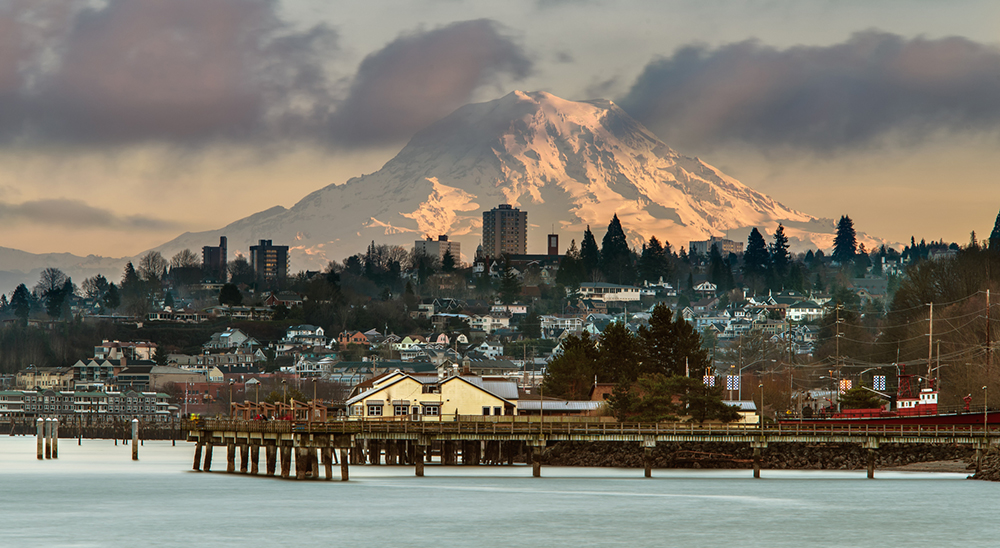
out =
column 845, row 385
column 732, row 382
column 709, row 380
column 879, row 382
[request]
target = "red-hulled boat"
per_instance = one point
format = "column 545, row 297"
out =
column 911, row 408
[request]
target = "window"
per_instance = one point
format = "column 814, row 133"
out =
column 374, row 410
column 432, row 410
column 415, row 410
column 498, row 411
column 486, row 410
column 399, row 410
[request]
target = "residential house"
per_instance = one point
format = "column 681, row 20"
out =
column 606, row 292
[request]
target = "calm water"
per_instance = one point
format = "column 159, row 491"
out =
column 95, row 495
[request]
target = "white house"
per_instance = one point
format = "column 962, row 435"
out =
column 600, row 291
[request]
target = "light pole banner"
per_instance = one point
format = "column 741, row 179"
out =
column 709, row 380
column 732, row 382
column 879, row 382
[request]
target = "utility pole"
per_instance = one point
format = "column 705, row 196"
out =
column 989, row 346
column 930, row 345
column 837, row 388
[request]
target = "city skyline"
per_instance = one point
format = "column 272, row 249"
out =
column 128, row 123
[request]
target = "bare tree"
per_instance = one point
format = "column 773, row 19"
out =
column 185, row 258
column 152, row 266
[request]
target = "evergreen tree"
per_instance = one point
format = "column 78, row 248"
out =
column 510, row 286
column 571, row 269
column 112, row 297
column 230, row 295
column 616, row 257
column 653, row 263
column 755, row 260
column 448, row 262
column 717, row 269
column 779, row 254
column 590, row 255
column 570, row 375
column 618, row 355
column 20, row 302
column 994, row 236
column 845, row 243
column 666, row 343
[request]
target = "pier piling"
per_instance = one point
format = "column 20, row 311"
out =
column 328, row 463
column 270, row 454
column 48, row 438
column 244, row 457
column 254, row 459
column 871, row 464
column 230, row 457
column 208, row 457
column 418, row 460
column 197, row 457
column 55, row 438
column 343, row 465
column 286, row 464
column 756, row 462
column 40, row 426
column 135, row 439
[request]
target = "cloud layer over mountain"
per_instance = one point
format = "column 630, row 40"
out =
column 819, row 97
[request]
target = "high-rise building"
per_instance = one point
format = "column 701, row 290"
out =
column 269, row 262
column 725, row 246
column 505, row 231
column 439, row 248
column 213, row 261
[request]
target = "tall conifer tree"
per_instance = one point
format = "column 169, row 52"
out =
column 845, row 244
column 590, row 255
column 616, row 257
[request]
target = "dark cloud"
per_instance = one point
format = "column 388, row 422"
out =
column 840, row 96
column 77, row 214
column 180, row 70
column 419, row 78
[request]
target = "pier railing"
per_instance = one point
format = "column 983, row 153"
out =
column 588, row 428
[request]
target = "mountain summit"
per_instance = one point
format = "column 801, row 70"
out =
column 568, row 164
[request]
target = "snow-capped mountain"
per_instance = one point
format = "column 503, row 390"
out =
column 568, row 164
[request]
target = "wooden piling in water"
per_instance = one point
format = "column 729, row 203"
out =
column 286, row 464
column 647, row 461
column 48, row 438
column 135, row 439
column 208, row 457
column 756, row 462
column 871, row 464
column 55, row 438
column 254, row 458
column 328, row 463
column 270, row 458
column 197, row 457
column 230, row 457
column 343, row 465
column 301, row 463
column 40, row 426
column 244, row 458
column 418, row 460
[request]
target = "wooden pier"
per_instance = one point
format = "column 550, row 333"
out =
column 498, row 440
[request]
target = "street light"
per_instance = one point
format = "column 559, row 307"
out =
column 231, row 381
column 761, row 387
column 985, row 404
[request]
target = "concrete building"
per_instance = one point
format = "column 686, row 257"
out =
column 269, row 262
column 725, row 246
column 439, row 248
column 505, row 231
column 213, row 260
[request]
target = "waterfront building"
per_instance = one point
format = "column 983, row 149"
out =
column 429, row 398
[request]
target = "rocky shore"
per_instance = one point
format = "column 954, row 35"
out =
column 790, row 456
column 990, row 470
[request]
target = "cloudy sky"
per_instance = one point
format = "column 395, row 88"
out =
column 126, row 122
